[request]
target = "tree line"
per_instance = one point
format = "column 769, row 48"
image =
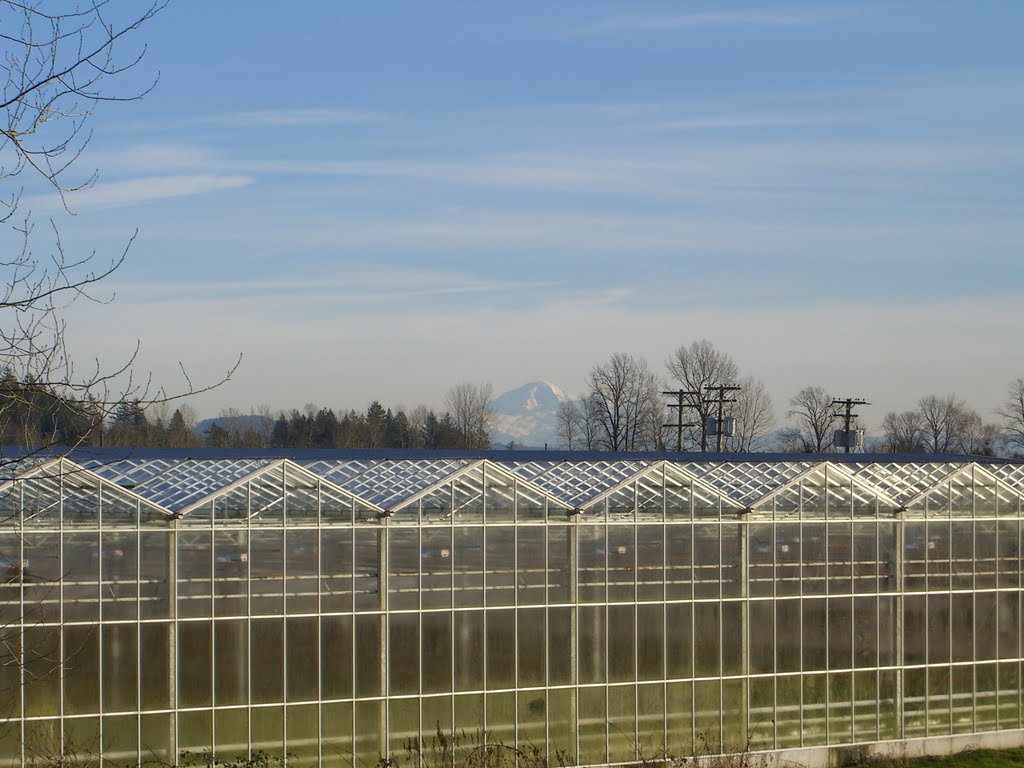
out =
column 706, row 403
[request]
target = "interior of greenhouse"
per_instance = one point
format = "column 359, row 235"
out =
column 329, row 607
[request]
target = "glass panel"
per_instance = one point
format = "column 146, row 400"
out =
column 80, row 578
column 533, row 718
column 301, row 563
column 336, row 657
column 266, row 572
column 301, row 497
column 268, row 730
column 531, row 647
column 155, row 668
column 435, row 568
column 500, row 565
column 195, row 679
column 591, row 563
column 120, row 669
column 592, row 734
column 469, row 650
column 592, row 644
column 679, row 640
column 531, row 573
column 404, row 653
column 621, row 563
column 650, row 642
column 266, row 663
column 679, row 562
column 335, row 570
column 119, row 574
column 501, row 649
column 468, row 566
column 155, row 556
column 622, row 723
column 302, row 732
column 336, row 734
column 195, row 566
column 621, row 643
column 561, row 645
column 302, row 655
column 560, row 549
column 231, row 572
column 231, row 662
column 436, row 648
column 368, row 649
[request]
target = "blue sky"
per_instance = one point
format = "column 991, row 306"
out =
column 384, row 199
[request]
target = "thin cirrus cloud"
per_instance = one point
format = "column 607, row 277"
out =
column 742, row 18
column 292, row 118
column 116, row 194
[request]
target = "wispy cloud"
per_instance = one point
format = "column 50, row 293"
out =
column 142, row 190
column 293, row 118
column 740, row 18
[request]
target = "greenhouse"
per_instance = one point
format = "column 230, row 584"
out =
column 329, row 607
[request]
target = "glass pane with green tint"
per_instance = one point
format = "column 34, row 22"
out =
column 679, row 719
column 155, row 666
column 468, row 638
column 938, row 701
column 43, row 672
column 985, row 683
column 266, row 661
column 1009, row 695
column 865, row 706
column 533, row 707
column 437, row 721
column 155, row 557
column 814, row 703
column 301, row 655
column 366, row 586
column 231, row 662
column 501, row 649
column 301, row 732
column 232, row 733
column 679, row 640
column 650, row 722
column 788, row 720
column 403, row 725
column 266, row 572
column 268, row 730
column 157, row 738
column 762, row 713
column 336, row 657
column 370, row 731
column 469, row 718
column 531, row 647
column 621, row 723
column 561, row 710
column 531, row 572
column 501, row 718
column 734, row 715
column 621, row 643
column 81, row 669
column 404, row 653
column 82, row 736
column 195, row 731
column 593, row 718
column 708, row 712
column 650, row 642
column 336, row 734
column 120, row 669
column 915, row 682
column 888, row 711
column 436, row 648
column 231, row 572
column 840, row 708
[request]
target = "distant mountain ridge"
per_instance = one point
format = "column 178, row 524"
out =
column 527, row 416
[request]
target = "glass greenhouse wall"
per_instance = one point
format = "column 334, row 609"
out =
column 329, row 610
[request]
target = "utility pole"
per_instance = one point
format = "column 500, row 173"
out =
column 721, row 400
column 680, row 403
column 847, row 415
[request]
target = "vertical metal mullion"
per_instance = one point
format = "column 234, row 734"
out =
column 248, row 613
column 284, row 607
column 20, row 521
column 99, row 613
column 138, row 632
column 636, row 628
column 775, row 630
column 664, row 610
column 319, row 626
column 61, row 630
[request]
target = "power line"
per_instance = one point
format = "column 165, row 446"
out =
column 680, row 404
column 721, row 400
column 847, row 415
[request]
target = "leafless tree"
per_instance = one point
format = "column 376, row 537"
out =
column 1013, row 413
column 568, row 424
column 945, row 420
column 753, row 415
column 903, row 432
column 695, row 368
column 814, row 418
column 472, row 410
column 60, row 60
column 624, row 398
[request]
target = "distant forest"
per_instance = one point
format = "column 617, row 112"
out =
column 32, row 416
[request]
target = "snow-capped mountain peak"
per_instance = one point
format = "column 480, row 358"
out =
column 527, row 415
